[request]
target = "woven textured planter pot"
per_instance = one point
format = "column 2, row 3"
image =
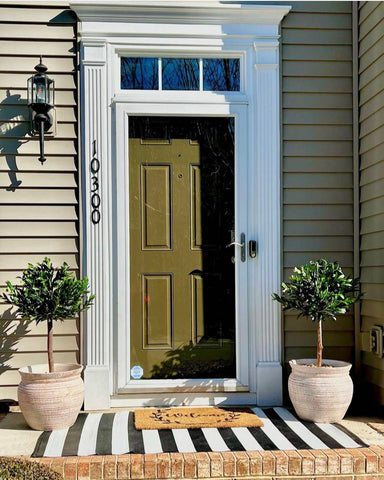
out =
column 321, row 394
column 51, row 401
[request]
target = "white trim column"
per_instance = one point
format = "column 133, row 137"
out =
column 268, row 220
column 96, row 185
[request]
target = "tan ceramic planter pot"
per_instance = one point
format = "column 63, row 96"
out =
column 51, row 401
column 322, row 394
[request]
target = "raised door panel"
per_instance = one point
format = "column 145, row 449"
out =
column 155, row 199
column 157, row 311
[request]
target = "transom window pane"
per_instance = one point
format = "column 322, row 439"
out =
column 221, row 74
column 139, row 73
column 209, row 74
column 180, row 74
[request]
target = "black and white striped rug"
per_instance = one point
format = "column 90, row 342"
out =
column 115, row 433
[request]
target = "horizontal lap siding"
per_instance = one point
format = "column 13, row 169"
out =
column 371, row 89
column 317, row 158
column 40, row 217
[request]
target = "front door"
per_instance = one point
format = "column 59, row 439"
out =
column 182, row 275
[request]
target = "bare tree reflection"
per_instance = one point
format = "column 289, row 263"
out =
column 139, row 73
column 142, row 73
column 221, row 74
column 180, row 74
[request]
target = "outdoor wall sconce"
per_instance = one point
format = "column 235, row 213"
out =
column 41, row 99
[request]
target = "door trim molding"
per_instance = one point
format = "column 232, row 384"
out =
column 153, row 27
column 205, row 12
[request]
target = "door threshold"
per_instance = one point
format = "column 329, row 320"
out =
column 189, row 385
column 182, row 399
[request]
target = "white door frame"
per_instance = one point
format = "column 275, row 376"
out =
column 123, row 110
column 250, row 32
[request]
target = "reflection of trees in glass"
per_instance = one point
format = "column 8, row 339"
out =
column 180, row 74
column 221, row 74
column 139, row 73
column 190, row 361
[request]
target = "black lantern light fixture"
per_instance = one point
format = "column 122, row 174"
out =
column 41, row 99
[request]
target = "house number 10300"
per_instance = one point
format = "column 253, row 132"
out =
column 95, row 197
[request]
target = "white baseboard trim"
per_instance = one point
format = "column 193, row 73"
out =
column 96, row 382
column 269, row 384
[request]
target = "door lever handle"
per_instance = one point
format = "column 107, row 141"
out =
column 240, row 244
column 234, row 243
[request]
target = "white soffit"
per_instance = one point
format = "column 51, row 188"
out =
column 174, row 11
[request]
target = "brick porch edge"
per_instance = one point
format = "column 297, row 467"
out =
column 346, row 464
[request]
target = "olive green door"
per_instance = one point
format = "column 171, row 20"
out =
column 182, row 276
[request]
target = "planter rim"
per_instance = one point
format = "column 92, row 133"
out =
column 40, row 371
column 304, row 365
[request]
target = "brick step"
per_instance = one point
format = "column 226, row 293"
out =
column 338, row 464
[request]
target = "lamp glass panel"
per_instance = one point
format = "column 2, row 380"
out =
column 51, row 92
column 41, row 93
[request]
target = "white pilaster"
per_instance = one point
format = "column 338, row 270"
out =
column 268, row 214
column 95, row 192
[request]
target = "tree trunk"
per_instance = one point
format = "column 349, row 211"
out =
column 319, row 343
column 50, row 345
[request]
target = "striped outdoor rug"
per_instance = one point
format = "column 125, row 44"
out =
column 115, row 433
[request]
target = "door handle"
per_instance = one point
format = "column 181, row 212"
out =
column 235, row 243
column 240, row 244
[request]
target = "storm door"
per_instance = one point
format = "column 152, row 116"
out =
column 182, row 270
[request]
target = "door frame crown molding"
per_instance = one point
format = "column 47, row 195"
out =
column 113, row 28
column 184, row 12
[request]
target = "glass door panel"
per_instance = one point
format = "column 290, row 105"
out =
column 182, row 274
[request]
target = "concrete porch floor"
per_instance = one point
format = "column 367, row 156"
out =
column 17, row 439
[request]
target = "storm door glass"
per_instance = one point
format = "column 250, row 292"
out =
column 182, row 275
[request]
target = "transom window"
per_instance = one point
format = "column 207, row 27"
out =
column 209, row 74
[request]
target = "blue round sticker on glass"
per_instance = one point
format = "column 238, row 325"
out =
column 137, row 372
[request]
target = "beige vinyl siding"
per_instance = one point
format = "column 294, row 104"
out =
column 40, row 217
column 317, row 160
column 371, row 104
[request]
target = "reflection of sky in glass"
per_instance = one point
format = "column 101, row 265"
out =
column 180, row 74
column 139, row 73
column 221, row 74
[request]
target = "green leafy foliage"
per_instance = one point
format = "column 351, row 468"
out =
column 318, row 290
column 18, row 469
column 46, row 293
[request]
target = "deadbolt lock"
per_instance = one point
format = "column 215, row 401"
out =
column 252, row 248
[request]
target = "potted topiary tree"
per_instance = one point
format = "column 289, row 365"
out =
column 50, row 395
column 320, row 390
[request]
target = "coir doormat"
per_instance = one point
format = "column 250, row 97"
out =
column 115, row 434
column 197, row 417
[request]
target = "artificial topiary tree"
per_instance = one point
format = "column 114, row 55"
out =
column 48, row 294
column 318, row 290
